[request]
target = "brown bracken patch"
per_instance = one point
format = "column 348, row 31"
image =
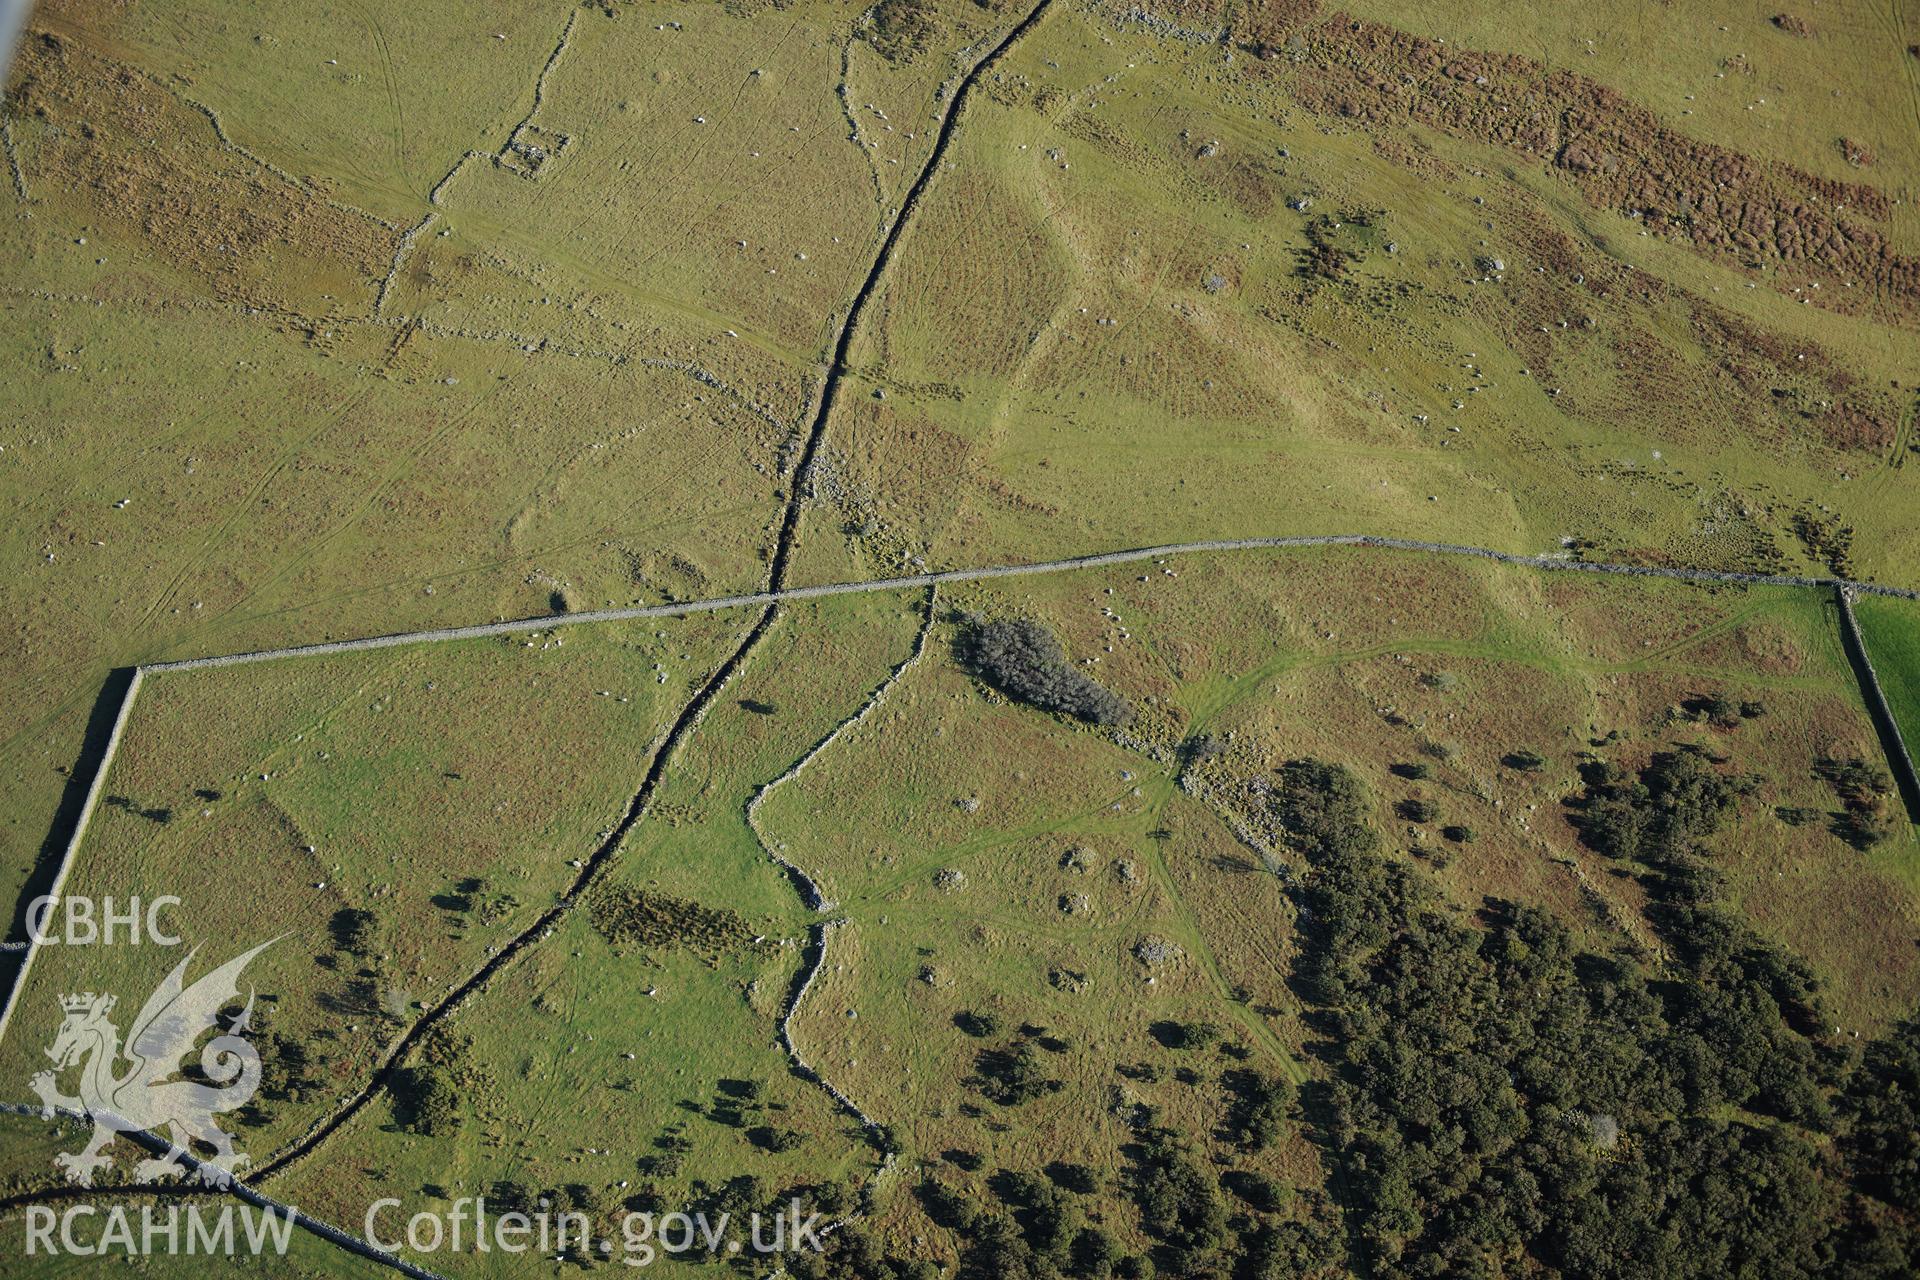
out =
column 1858, row 153
column 147, row 160
column 625, row 914
column 1618, row 154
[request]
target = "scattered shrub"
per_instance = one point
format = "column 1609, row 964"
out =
column 1185, row 1035
column 1323, row 807
column 774, row 1138
column 1261, row 1103
column 355, row 931
column 1013, row 1075
column 624, row 913
column 1260, row 1190
column 1677, row 799
column 1077, row 1178
column 1863, row 820
column 426, row 1102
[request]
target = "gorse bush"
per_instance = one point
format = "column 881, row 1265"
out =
column 1023, row 660
column 1014, row 1074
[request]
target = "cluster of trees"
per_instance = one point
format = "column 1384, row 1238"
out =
column 510, row 1195
column 157, row 814
column 1417, row 810
column 1059, row 1224
column 1257, row 1115
column 1202, row 1234
column 1500, row 1101
column 1014, row 1073
column 289, row 1070
column 1720, row 711
column 1883, row 1102
column 356, row 931
column 1021, row 658
column 1323, row 808
column 852, row 1253
column 426, row 1101
column 1323, row 258
column 1185, row 1035
column 1504, row 1102
column 670, row 1151
column 428, row 1095
column 1180, row 1202
column 476, row 897
column 1662, row 811
column 1064, row 1222
column 1525, row 759
column 1039, row 1228
column 742, row 1104
column 1826, row 540
column 1864, row 819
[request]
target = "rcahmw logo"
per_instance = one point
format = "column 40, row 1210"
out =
column 86, row 1231
column 140, row 1097
column 124, row 1087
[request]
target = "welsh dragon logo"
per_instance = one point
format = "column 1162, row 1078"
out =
column 125, row 1089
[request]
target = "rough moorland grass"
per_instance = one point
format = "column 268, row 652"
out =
column 580, row 1060
column 1702, row 71
column 567, row 418
column 780, row 169
column 711, row 1017
column 973, row 844
column 985, row 859
column 1451, row 668
column 380, row 103
column 816, row 667
column 1097, row 334
column 452, row 791
column 1039, row 933
column 466, row 484
column 395, row 502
